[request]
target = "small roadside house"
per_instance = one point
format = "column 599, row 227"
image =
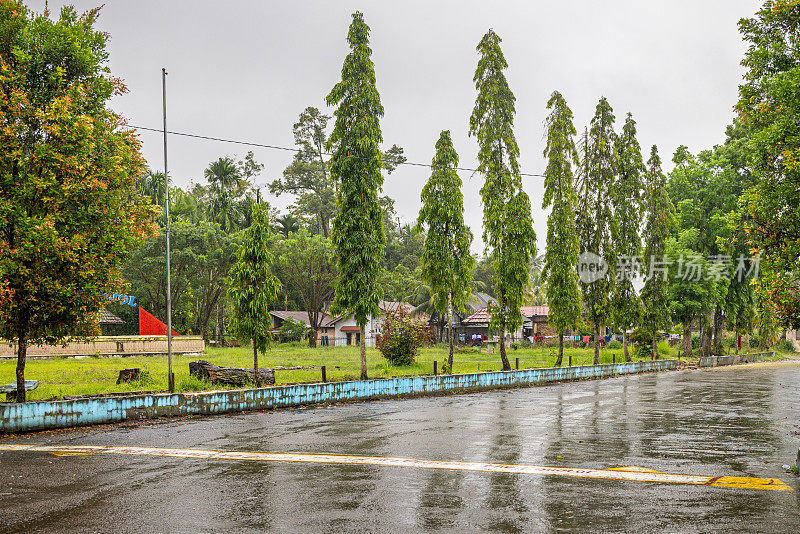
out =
column 534, row 324
column 324, row 333
column 345, row 331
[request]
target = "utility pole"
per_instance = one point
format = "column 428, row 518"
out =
column 171, row 376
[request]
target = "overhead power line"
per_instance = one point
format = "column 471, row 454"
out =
column 290, row 149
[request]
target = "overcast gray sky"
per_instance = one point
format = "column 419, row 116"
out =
column 246, row 69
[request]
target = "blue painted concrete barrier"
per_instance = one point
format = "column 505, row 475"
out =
column 90, row 411
column 733, row 359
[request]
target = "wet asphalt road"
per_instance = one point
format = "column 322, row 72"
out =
column 736, row 421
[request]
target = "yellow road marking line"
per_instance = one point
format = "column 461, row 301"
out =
column 630, row 473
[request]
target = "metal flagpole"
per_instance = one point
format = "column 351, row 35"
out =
column 171, row 376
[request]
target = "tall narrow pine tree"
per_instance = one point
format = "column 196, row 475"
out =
column 446, row 260
column 561, row 256
column 660, row 215
column 507, row 221
column 626, row 196
column 595, row 218
column 356, row 166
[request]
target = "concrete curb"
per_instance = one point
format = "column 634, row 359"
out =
column 44, row 415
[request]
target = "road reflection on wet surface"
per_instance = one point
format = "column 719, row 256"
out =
column 736, row 421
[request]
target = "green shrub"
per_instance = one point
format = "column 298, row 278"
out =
column 551, row 343
column 401, row 337
column 292, row 330
column 466, row 349
column 515, row 345
column 785, row 346
column 614, row 344
column 644, row 351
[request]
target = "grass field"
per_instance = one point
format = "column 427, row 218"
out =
column 86, row 376
column 70, row 376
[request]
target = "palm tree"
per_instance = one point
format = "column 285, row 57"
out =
column 151, row 184
column 223, row 172
column 287, row 224
column 225, row 180
column 535, row 294
column 184, row 205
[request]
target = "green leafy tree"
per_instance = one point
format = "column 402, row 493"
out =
column 740, row 308
column 446, row 261
column 70, row 207
column 400, row 284
column 659, row 225
column 768, row 104
column 626, row 197
column 251, row 286
column 201, row 254
column 292, row 330
column 356, row 166
column 507, row 222
column 595, row 215
column 308, row 177
column 484, row 274
column 404, row 246
column 306, row 262
column 561, row 256
column 706, row 188
column 765, row 316
column 691, row 294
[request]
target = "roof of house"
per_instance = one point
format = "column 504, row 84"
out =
column 532, row 311
column 482, row 316
column 106, row 317
column 388, row 305
column 299, row 316
column 384, row 306
column 485, row 298
column 325, row 320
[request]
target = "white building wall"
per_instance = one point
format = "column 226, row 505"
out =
column 341, row 337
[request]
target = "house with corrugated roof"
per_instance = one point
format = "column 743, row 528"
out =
column 343, row 330
column 534, row 323
column 324, row 333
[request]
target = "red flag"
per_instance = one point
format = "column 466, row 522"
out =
column 149, row 325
